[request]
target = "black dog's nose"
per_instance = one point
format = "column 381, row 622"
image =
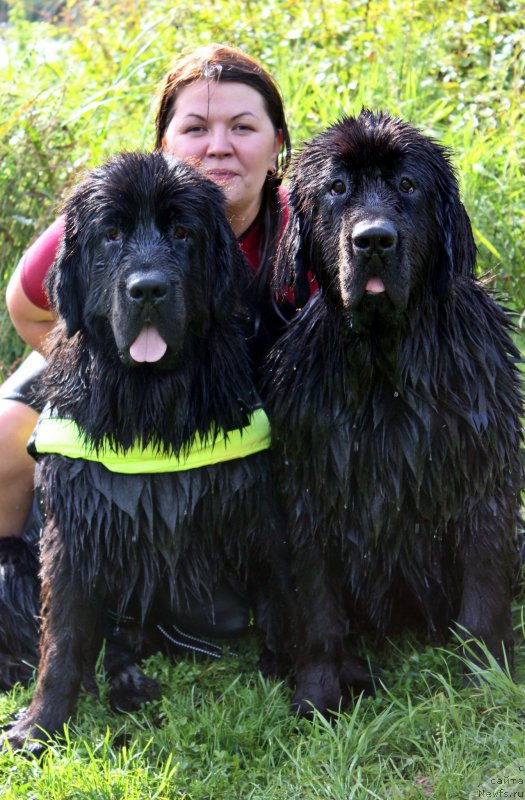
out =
column 144, row 287
column 374, row 237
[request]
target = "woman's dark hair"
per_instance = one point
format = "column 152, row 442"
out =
column 218, row 62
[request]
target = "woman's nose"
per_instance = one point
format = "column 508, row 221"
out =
column 219, row 143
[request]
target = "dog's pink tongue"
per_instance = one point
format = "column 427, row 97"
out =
column 375, row 285
column 148, row 346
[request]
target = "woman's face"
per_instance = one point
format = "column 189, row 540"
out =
column 224, row 130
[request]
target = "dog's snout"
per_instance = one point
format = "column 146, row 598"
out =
column 374, row 237
column 147, row 287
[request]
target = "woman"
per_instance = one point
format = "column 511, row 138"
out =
column 221, row 111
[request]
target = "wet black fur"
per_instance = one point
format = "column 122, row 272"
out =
column 395, row 416
column 146, row 543
column 19, row 606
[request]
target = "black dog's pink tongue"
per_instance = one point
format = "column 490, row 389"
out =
column 375, row 285
column 148, row 346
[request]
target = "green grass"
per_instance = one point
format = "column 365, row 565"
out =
column 222, row 731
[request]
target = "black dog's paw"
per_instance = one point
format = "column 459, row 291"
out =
column 17, row 717
column 358, row 675
column 318, row 688
column 130, row 688
column 24, row 736
column 274, row 665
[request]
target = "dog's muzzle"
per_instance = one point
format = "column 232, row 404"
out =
column 377, row 241
column 148, row 316
column 371, row 266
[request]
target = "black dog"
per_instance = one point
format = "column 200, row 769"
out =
column 395, row 406
column 149, row 359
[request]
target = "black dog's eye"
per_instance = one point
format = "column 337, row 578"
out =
column 406, row 185
column 180, row 232
column 113, row 235
column 338, row 187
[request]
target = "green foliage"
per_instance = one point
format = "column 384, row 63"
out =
column 80, row 87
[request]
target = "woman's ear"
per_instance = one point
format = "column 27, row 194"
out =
column 278, row 143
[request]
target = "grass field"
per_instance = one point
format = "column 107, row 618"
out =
column 79, row 89
column 221, row 731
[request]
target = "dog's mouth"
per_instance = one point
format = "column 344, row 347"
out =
column 375, row 292
column 149, row 346
column 374, row 303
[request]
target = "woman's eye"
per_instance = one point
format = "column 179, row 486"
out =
column 337, row 188
column 180, row 232
column 406, row 185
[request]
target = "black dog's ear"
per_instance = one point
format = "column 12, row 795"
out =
column 292, row 262
column 458, row 249
column 64, row 279
column 228, row 272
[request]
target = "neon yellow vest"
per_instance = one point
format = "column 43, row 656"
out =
column 64, row 437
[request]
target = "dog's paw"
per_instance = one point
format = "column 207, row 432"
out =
column 358, row 675
column 24, row 736
column 273, row 665
column 130, row 688
column 318, row 688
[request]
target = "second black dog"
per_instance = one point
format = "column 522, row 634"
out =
column 395, row 407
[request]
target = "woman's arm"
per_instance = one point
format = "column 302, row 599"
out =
column 26, row 299
column 32, row 322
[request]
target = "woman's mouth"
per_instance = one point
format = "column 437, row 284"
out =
column 220, row 175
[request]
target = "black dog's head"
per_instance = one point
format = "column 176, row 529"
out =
column 376, row 214
column 147, row 258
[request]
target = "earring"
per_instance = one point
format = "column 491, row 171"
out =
column 271, row 172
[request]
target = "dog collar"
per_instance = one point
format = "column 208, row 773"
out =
column 59, row 436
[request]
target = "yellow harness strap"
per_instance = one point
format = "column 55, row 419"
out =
column 64, row 437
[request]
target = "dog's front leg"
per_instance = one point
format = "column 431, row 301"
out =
column 70, row 641
column 321, row 632
column 489, row 574
column 272, row 596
